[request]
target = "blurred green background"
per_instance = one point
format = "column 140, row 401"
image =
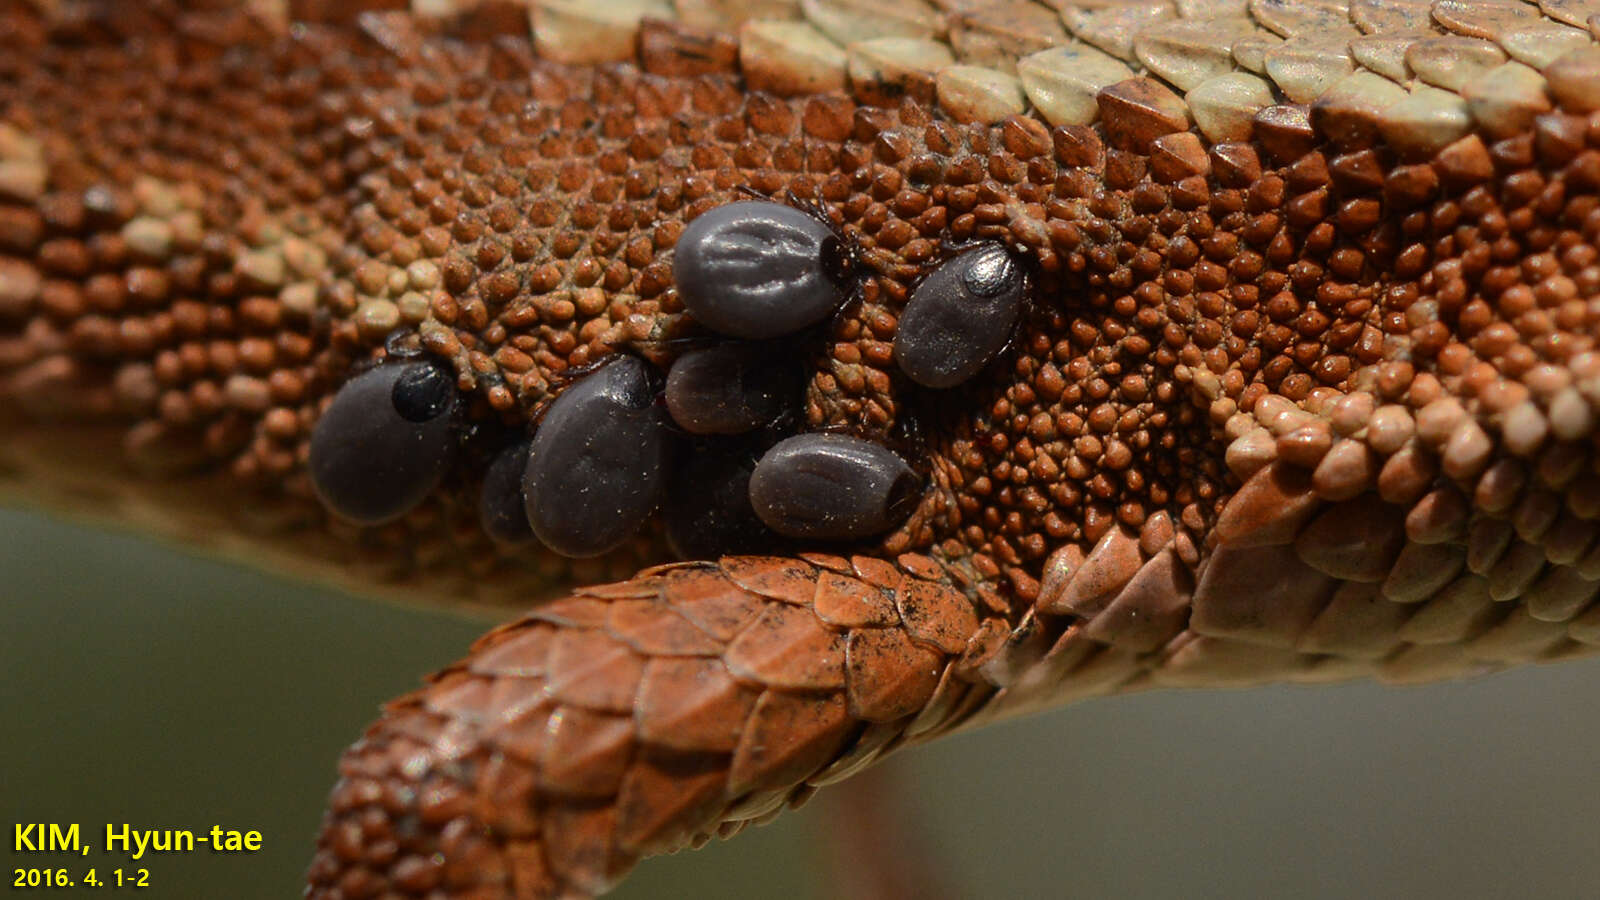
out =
column 147, row 686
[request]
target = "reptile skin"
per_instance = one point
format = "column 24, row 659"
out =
column 1305, row 388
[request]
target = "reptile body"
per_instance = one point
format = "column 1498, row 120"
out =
column 1303, row 387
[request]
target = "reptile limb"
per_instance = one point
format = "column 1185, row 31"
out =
column 1304, row 385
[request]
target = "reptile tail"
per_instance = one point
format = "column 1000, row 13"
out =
column 642, row 717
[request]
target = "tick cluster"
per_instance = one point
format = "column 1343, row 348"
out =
column 708, row 444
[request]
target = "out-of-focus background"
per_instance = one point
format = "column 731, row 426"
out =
column 146, row 686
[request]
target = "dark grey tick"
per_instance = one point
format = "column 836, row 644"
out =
column 730, row 388
column 708, row 510
column 832, row 487
column 384, row 442
column 959, row 317
column 501, row 507
column 595, row 468
column 758, row 270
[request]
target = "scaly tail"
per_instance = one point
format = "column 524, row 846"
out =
column 642, row 717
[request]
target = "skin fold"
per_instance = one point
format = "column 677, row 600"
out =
column 1303, row 388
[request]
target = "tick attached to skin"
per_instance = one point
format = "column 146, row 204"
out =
column 959, row 317
column 596, row 467
column 384, row 442
column 502, row 509
column 731, row 388
column 832, row 487
column 758, row 270
column 708, row 512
